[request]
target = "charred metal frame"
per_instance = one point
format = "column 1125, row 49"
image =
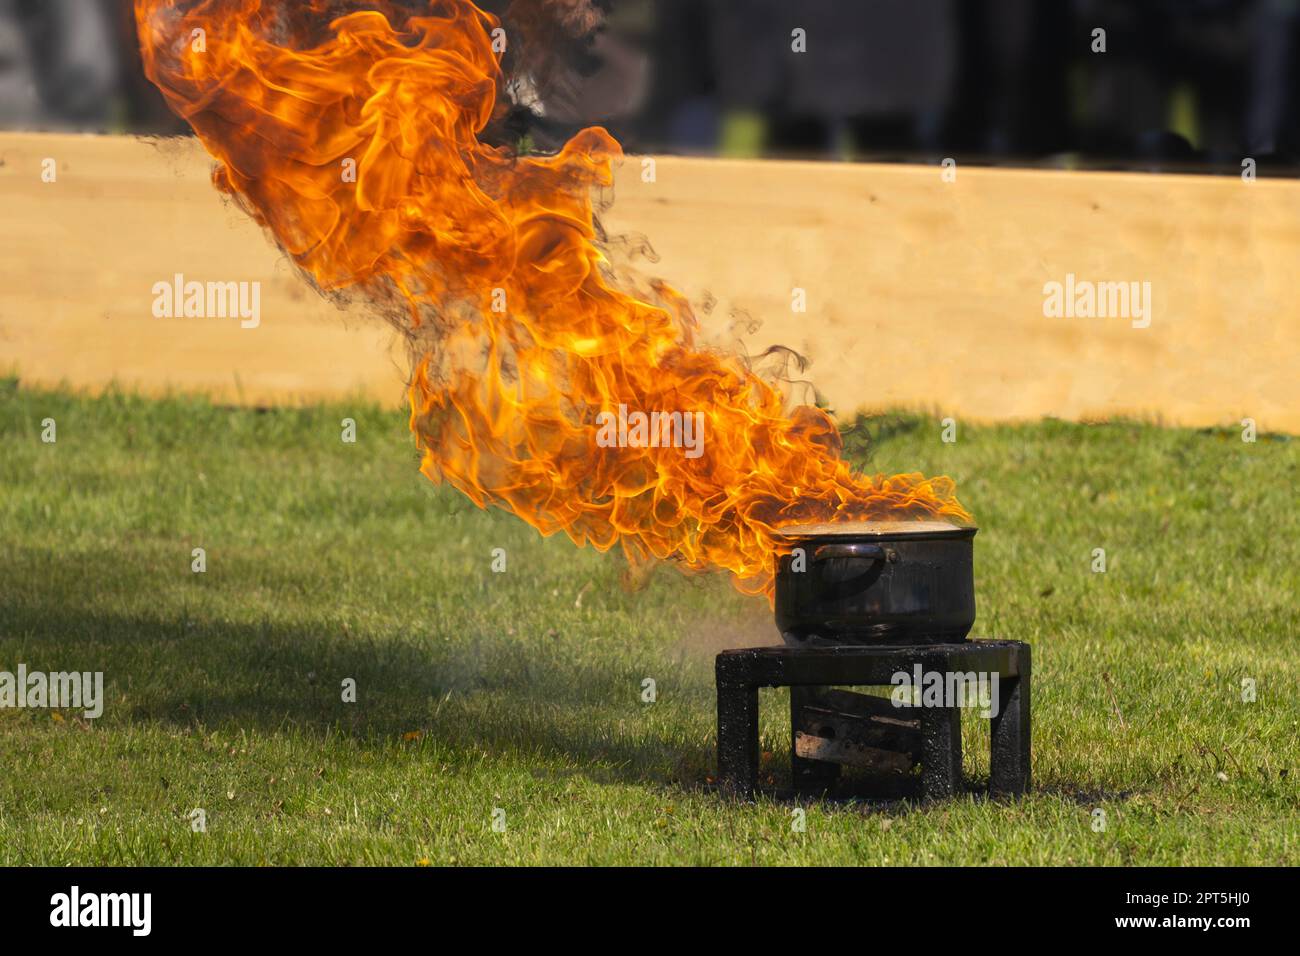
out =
column 741, row 672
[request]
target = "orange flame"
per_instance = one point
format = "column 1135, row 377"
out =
column 523, row 334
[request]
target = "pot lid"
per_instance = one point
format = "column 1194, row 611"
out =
column 873, row 529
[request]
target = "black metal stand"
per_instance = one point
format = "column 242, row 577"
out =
column 740, row 673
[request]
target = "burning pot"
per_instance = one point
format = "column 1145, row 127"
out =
column 875, row 582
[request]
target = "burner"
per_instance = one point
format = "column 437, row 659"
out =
column 877, row 604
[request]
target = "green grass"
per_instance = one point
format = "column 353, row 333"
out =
column 478, row 690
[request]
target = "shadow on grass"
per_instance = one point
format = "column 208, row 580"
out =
column 468, row 697
column 901, row 795
column 466, row 689
column 478, row 695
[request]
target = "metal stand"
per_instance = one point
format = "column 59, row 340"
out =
column 937, row 745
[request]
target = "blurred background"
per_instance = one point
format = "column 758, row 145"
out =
column 1182, row 84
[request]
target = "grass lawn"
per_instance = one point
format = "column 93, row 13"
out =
column 522, row 690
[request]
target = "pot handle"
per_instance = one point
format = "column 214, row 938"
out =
column 851, row 549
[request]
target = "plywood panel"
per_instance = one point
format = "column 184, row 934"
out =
column 81, row 256
column 920, row 292
column 928, row 293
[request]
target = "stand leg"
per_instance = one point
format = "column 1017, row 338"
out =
column 1009, row 772
column 940, row 751
column 809, row 775
column 737, row 739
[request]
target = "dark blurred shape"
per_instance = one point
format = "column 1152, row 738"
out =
column 681, row 107
column 19, row 100
column 1012, row 97
column 74, row 64
column 1162, row 56
column 142, row 108
column 871, row 77
column 71, row 59
column 1273, row 113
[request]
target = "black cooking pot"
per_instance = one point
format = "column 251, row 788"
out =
column 875, row 582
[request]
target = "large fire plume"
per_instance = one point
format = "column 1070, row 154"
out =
column 491, row 263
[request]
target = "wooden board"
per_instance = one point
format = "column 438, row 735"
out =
column 861, row 730
column 81, row 256
column 850, row 753
column 920, row 293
